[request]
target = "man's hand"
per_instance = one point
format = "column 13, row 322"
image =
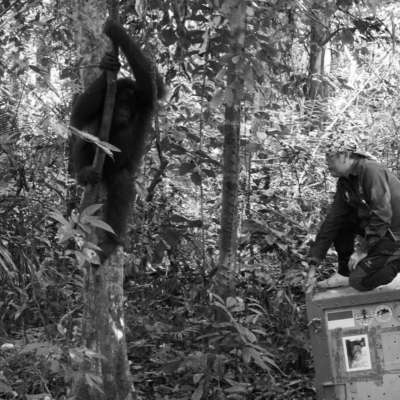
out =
column 311, row 265
column 355, row 258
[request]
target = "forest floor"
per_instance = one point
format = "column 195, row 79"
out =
column 177, row 350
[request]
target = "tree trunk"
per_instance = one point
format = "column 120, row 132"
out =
column 104, row 372
column 319, row 52
column 231, row 157
column 319, row 65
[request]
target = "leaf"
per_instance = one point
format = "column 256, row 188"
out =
column 262, row 359
column 235, row 59
column 239, row 388
column 38, row 70
column 7, row 346
column 198, row 393
column 140, row 8
column 204, row 46
column 58, row 217
column 250, row 11
column 6, row 389
column 178, row 218
column 20, row 310
column 220, row 305
column 91, row 256
column 90, row 210
column 247, row 334
column 197, row 378
column 64, row 235
column 246, row 355
column 230, row 302
column 273, row 132
column 6, row 261
column 220, row 77
column 94, row 381
column 91, row 246
column 259, row 361
column 282, row 246
column 98, row 223
column 235, row 304
column 105, row 146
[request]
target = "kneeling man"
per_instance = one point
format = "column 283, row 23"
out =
column 366, row 203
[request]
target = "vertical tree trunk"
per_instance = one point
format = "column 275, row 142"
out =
column 319, row 51
column 319, row 65
column 231, row 158
column 103, row 327
column 86, row 39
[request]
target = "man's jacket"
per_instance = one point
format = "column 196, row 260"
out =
column 370, row 195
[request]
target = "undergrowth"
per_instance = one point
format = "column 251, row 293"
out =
column 178, row 349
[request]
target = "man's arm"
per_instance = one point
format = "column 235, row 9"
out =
column 329, row 229
column 374, row 182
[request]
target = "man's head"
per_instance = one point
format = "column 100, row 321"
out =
column 341, row 153
column 340, row 163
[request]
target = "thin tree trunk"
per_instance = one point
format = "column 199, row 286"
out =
column 103, row 330
column 231, row 157
column 319, row 66
column 319, row 52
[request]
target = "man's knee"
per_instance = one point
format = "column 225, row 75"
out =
column 356, row 280
column 361, row 280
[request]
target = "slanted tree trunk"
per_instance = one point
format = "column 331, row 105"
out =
column 104, row 372
column 231, row 157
